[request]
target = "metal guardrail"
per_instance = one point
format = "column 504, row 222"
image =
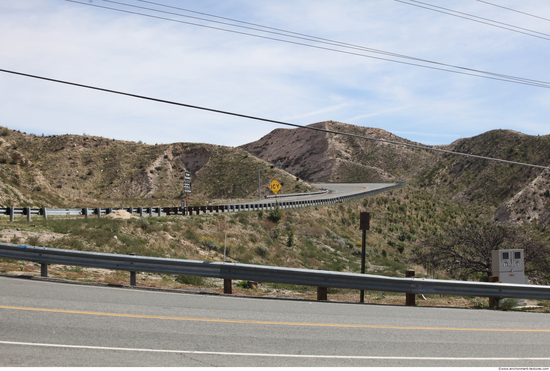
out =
column 164, row 211
column 228, row 271
column 297, row 194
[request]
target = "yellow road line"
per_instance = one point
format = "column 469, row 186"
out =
column 218, row 320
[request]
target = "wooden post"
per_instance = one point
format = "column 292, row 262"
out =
column 322, row 293
column 410, row 299
column 364, row 225
column 133, row 274
column 227, row 287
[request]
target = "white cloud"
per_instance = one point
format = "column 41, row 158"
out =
column 266, row 78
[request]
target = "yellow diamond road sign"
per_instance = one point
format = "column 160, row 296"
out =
column 275, row 186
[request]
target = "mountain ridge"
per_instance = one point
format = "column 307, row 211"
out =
column 73, row 170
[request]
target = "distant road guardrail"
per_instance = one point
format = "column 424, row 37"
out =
column 231, row 271
column 191, row 210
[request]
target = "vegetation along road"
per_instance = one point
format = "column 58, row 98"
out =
column 58, row 324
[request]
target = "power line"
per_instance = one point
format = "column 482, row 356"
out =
column 466, row 15
column 513, row 10
column 461, row 70
column 312, row 38
column 269, row 120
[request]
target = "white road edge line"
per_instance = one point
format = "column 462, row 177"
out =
column 275, row 355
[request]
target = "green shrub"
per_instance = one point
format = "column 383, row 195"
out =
column 508, row 303
column 191, row 280
column 290, row 240
column 33, row 241
column 211, row 243
column 275, row 215
column 262, row 251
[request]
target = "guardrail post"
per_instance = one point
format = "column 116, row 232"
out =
column 12, row 213
column 322, row 294
column 45, row 213
column 43, row 270
column 410, row 298
column 132, row 273
column 28, row 213
column 227, row 287
column 140, row 210
column 493, row 302
column 160, row 211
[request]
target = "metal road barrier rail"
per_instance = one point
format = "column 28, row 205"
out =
column 307, row 277
column 191, row 210
column 297, row 194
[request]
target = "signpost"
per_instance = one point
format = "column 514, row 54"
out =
column 186, row 187
column 275, row 187
column 278, row 165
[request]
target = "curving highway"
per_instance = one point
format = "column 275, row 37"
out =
column 335, row 190
column 56, row 324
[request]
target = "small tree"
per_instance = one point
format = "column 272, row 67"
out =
column 466, row 251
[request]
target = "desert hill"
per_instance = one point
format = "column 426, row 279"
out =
column 73, row 171
column 318, row 156
column 76, row 171
column 519, row 193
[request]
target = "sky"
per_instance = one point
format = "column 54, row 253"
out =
column 162, row 57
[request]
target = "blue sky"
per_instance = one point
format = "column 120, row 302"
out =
column 266, row 78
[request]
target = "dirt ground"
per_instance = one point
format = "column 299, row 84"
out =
column 10, row 235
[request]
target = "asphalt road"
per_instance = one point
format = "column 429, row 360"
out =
column 335, row 190
column 56, row 324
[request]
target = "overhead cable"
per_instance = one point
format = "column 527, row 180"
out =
column 270, row 120
column 461, row 70
column 471, row 17
column 311, row 38
column 513, row 10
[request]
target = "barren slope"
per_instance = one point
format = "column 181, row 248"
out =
column 321, row 156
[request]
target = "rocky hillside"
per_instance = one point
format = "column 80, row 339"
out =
column 517, row 194
column 520, row 194
column 77, row 171
column 319, row 156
